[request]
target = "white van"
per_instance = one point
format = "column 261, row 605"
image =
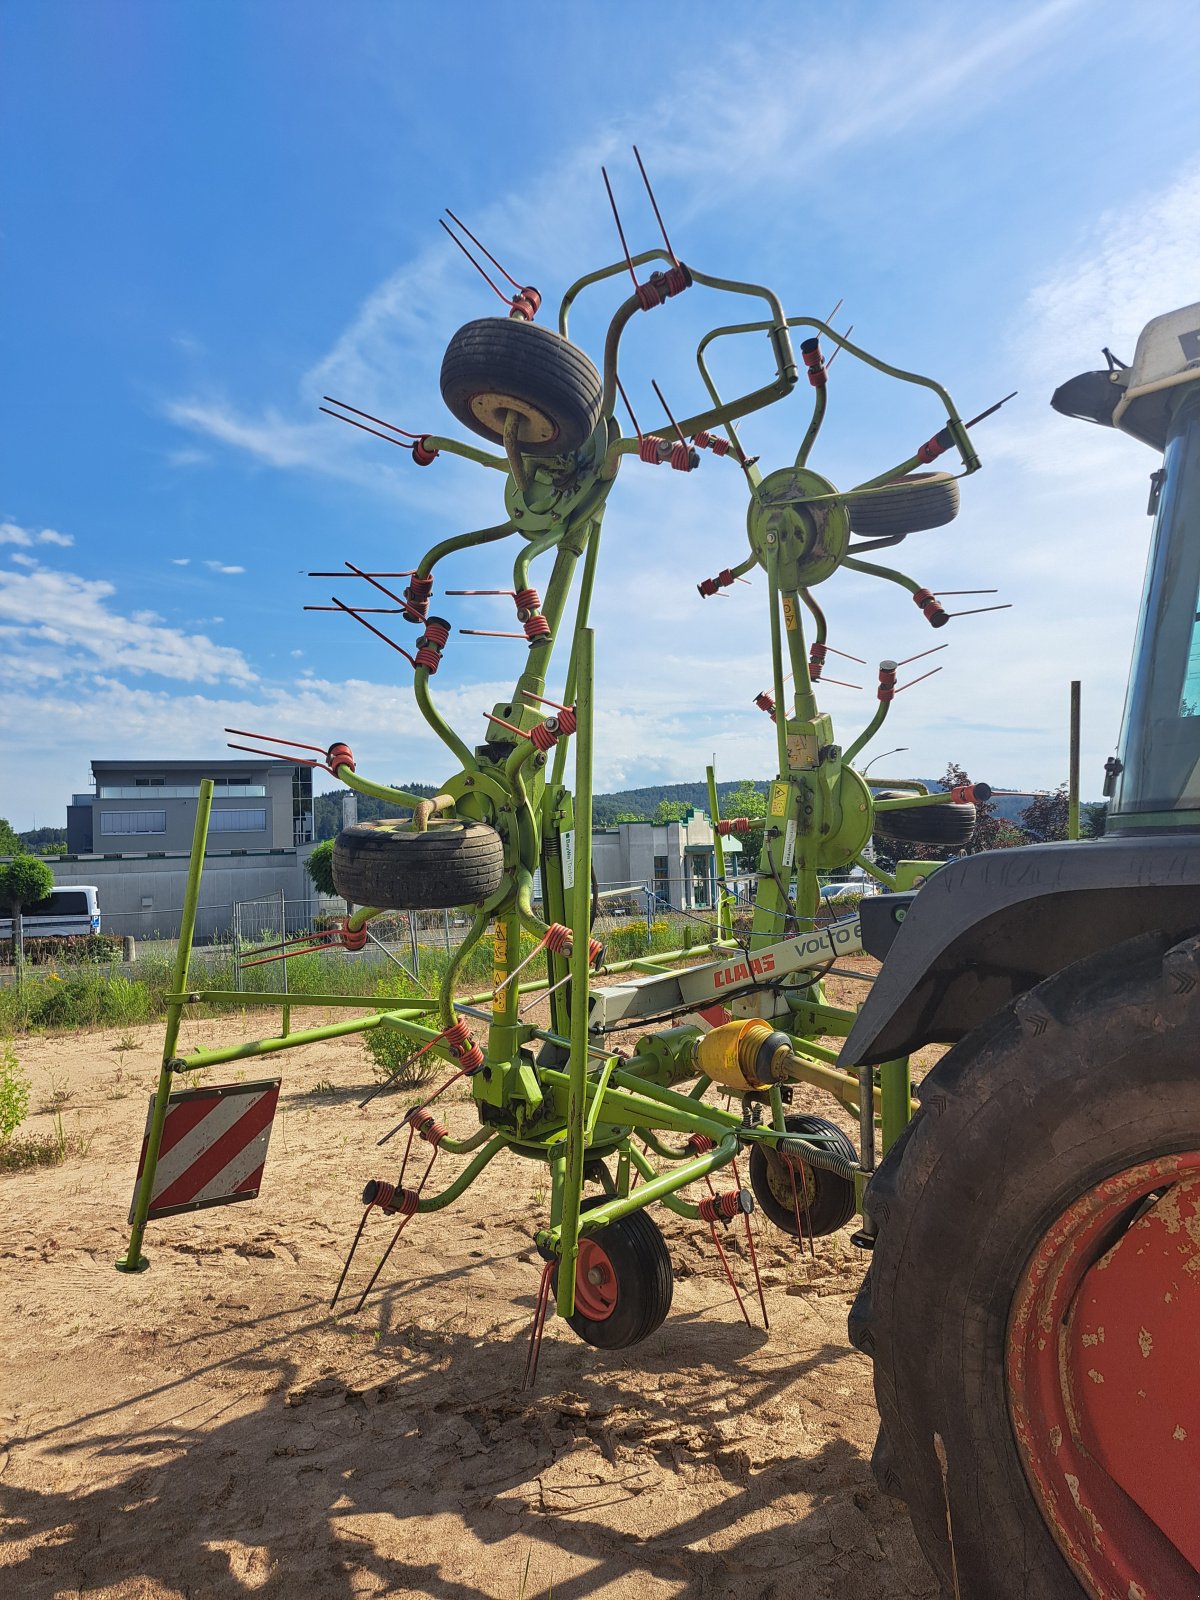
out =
column 63, row 913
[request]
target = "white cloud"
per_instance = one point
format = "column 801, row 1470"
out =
column 20, row 560
column 718, row 118
column 219, row 566
column 180, row 561
column 66, row 626
column 10, row 533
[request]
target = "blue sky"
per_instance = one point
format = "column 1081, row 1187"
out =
column 214, row 213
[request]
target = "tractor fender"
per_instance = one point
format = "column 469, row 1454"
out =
column 985, row 928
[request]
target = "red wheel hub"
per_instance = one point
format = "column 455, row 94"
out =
column 595, row 1282
column 1103, row 1370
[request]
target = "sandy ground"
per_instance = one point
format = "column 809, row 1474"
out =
column 209, row 1429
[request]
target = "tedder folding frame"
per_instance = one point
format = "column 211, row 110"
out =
column 744, row 1013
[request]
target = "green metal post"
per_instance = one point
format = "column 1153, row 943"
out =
column 724, row 909
column 133, row 1260
column 1073, row 781
column 895, row 1091
column 581, row 932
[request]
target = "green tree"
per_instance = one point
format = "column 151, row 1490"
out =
column 1047, row 815
column 671, row 811
column 23, row 882
column 10, row 843
column 630, row 816
column 747, row 800
column 1095, row 820
column 319, row 867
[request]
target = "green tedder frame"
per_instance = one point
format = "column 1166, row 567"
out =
column 559, row 1093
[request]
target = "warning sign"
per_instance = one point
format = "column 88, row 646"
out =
column 213, row 1149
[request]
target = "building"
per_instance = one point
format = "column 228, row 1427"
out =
column 676, row 860
column 132, row 838
column 148, row 806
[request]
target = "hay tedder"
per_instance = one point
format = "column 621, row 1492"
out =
column 747, row 1014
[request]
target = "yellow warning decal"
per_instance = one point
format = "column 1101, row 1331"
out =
column 789, row 613
column 499, row 961
column 779, row 799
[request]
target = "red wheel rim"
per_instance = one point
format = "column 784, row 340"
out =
column 595, row 1282
column 1103, row 1353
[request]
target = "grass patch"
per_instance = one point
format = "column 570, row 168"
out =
column 50, row 1149
column 96, row 995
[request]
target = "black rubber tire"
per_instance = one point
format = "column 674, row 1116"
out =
column 919, row 501
column 1089, row 1073
column 540, row 373
column 645, row 1283
column 831, row 1199
column 952, row 824
column 389, row 865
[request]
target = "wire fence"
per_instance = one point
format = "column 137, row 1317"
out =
column 248, row 936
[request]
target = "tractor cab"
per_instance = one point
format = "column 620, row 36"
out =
column 1154, row 781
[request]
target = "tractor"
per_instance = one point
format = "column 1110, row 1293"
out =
column 1032, row 1304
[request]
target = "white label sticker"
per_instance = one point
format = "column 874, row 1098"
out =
column 789, row 842
column 568, row 858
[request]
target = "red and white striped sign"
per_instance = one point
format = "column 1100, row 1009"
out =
column 213, row 1149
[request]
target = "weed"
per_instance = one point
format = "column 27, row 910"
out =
column 124, row 1043
column 43, row 1149
column 324, row 1086
column 59, row 1093
column 395, row 1058
column 14, row 1093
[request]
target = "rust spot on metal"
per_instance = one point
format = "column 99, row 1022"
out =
column 1086, row 1512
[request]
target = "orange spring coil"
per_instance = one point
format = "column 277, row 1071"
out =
column 721, row 1207
column 427, row 1127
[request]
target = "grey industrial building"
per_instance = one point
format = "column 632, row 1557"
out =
column 676, row 860
column 133, row 835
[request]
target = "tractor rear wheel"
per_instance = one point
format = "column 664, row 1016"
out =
column 1033, row 1302
column 389, row 865
column 496, row 365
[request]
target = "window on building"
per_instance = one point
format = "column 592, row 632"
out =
column 149, row 783
column 302, row 805
column 700, row 869
column 662, row 877
column 238, row 819
column 113, row 822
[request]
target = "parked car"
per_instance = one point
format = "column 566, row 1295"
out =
column 62, row 914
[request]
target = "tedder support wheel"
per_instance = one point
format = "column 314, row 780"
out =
column 495, row 366
column 1033, row 1302
column 909, row 505
column 623, row 1281
column 951, row 824
column 784, row 1185
column 388, row 864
